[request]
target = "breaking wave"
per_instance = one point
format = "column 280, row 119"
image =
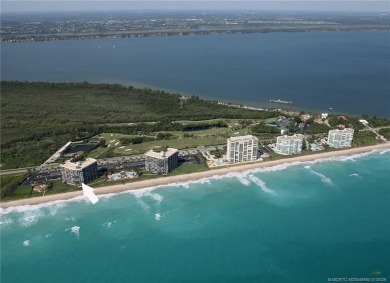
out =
column 148, row 192
column 26, row 243
column 241, row 176
column 27, row 208
column 324, row 179
column 75, row 230
column 30, row 217
column 262, row 185
column 6, row 221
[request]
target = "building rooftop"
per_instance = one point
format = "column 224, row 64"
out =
column 161, row 154
column 78, row 164
column 294, row 137
column 241, row 138
column 344, row 131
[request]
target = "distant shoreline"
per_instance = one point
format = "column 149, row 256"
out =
column 163, row 181
column 62, row 37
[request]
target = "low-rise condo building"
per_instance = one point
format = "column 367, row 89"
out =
column 242, row 149
column 340, row 138
column 288, row 145
column 161, row 162
column 76, row 173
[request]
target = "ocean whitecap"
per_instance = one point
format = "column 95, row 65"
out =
column 107, row 224
column 75, row 230
column 355, row 175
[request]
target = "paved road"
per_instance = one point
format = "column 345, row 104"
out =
column 137, row 160
column 13, row 171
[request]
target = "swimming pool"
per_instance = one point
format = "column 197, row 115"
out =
column 129, row 174
column 116, row 176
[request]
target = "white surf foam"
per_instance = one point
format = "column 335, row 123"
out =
column 53, row 209
column 26, row 243
column 143, row 204
column 262, row 185
column 355, row 175
column 243, row 180
column 107, row 224
column 30, row 217
column 324, row 179
column 384, row 151
column 70, row 219
column 6, row 221
column 148, row 192
column 26, row 208
column 157, row 216
column 157, row 197
column 75, row 230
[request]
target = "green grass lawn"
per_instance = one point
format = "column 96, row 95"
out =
column 187, row 168
column 26, row 191
column 179, row 143
column 20, row 192
column 60, row 187
column 10, row 180
column 209, row 137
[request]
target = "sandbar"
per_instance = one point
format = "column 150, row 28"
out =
column 166, row 180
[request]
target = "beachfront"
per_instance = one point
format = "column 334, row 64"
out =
column 194, row 176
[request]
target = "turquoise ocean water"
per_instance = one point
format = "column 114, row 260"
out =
column 299, row 223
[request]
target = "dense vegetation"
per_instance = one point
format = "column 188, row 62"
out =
column 38, row 117
column 364, row 138
column 262, row 128
column 385, row 132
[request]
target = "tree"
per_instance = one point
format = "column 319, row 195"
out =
column 297, row 119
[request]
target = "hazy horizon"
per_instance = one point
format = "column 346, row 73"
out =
column 171, row 6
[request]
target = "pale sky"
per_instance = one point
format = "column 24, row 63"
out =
column 89, row 5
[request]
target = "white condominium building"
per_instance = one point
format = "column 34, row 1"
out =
column 76, row 173
column 288, row 145
column 242, row 149
column 161, row 162
column 340, row 138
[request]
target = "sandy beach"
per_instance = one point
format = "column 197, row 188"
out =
column 193, row 176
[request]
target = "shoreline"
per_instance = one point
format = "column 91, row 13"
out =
column 163, row 181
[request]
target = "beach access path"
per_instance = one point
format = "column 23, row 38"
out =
column 166, row 180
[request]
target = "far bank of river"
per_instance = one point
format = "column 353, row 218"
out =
column 314, row 70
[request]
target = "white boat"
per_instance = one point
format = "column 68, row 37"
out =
column 88, row 192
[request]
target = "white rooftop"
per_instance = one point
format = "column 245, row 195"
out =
column 294, row 137
column 161, row 154
column 346, row 130
column 78, row 164
column 241, row 138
